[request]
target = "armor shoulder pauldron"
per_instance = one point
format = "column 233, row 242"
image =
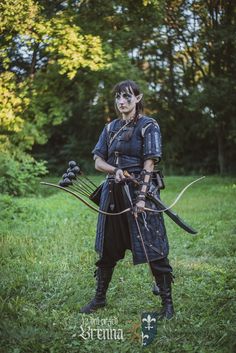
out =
column 146, row 126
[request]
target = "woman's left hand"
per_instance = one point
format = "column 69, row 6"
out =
column 140, row 206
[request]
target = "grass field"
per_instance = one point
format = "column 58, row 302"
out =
column 47, row 265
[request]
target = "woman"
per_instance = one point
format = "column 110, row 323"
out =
column 131, row 143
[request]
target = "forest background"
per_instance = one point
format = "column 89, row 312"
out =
column 61, row 59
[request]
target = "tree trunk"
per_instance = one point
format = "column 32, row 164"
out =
column 221, row 153
column 34, row 61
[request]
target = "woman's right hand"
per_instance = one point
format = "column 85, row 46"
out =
column 119, row 175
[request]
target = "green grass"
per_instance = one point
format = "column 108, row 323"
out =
column 48, row 257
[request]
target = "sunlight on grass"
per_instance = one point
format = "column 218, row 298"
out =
column 48, row 261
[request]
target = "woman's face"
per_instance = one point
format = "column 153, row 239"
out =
column 126, row 101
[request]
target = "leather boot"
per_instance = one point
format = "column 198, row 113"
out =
column 164, row 281
column 155, row 289
column 103, row 276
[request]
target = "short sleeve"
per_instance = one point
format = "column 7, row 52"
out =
column 152, row 148
column 101, row 148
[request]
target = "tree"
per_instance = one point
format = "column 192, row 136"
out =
column 204, row 31
column 60, row 61
column 42, row 50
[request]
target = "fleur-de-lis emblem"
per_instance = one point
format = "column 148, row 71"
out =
column 149, row 327
column 143, row 338
column 149, row 320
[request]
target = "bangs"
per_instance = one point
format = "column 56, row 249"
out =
column 126, row 86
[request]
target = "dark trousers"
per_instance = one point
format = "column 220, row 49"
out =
column 157, row 266
column 117, row 238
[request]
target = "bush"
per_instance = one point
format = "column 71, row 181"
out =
column 20, row 175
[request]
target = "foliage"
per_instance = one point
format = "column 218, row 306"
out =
column 20, row 175
column 71, row 49
column 13, row 104
column 47, row 270
column 41, row 54
column 60, row 61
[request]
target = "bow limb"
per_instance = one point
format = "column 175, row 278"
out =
column 127, row 209
column 181, row 193
column 176, row 200
column 85, row 202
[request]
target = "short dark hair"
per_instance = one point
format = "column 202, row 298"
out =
column 132, row 87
